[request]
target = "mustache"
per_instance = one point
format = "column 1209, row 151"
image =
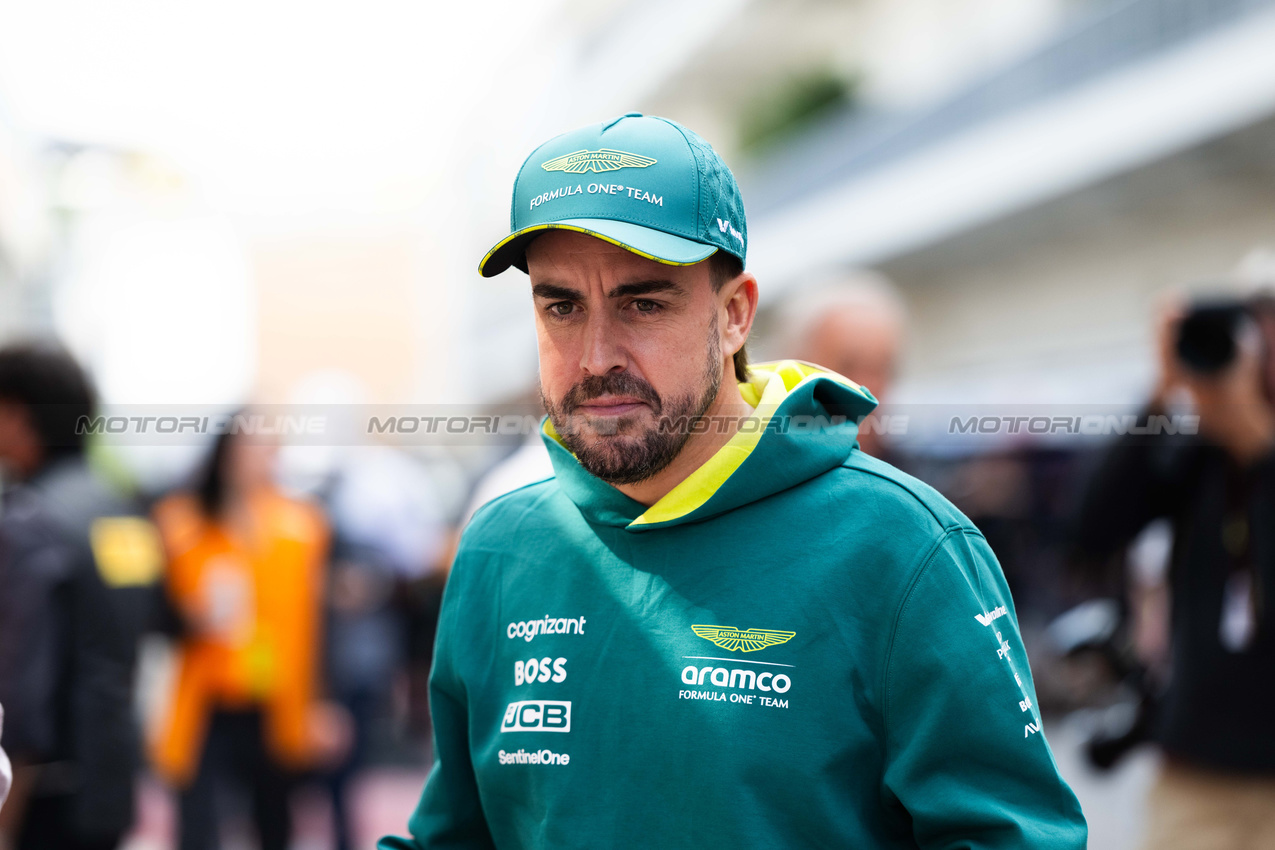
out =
column 618, row 383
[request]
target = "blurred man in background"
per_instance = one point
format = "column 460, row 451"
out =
column 78, row 568
column 383, row 593
column 854, row 323
column 1217, row 489
column 526, row 464
column 246, row 570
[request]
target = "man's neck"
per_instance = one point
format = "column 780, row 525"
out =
column 724, row 416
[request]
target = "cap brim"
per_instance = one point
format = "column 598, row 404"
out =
column 645, row 242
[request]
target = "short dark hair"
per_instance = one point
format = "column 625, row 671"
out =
column 45, row 379
column 722, row 269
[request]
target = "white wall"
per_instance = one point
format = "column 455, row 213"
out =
column 1056, row 305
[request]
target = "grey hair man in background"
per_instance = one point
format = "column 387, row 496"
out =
column 854, row 322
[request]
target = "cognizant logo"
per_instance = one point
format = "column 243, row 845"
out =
column 528, row 629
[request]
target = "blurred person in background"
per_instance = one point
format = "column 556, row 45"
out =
column 78, row 577
column 390, row 552
column 384, row 589
column 854, row 323
column 1217, row 491
column 526, row 464
column 246, row 569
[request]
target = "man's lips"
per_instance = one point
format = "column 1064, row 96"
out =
column 611, row 406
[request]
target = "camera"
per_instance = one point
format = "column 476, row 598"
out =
column 1209, row 334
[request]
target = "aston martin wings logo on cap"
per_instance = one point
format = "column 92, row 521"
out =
column 595, row 161
column 748, row 640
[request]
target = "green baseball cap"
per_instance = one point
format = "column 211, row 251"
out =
column 644, row 183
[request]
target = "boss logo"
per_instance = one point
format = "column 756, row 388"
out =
column 537, row 715
column 542, row 670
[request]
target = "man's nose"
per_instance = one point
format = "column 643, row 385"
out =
column 601, row 351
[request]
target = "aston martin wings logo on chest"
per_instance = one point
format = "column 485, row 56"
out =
column 748, row 640
column 596, row 161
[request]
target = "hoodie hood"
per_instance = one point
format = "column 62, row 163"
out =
column 804, row 423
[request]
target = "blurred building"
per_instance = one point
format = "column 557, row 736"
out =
column 25, row 232
column 1031, row 174
column 1033, row 215
column 1032, row 177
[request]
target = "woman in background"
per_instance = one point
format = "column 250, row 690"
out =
column 246, row 574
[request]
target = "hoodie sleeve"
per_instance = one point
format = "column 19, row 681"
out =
column 965, row 754
column 449, row 814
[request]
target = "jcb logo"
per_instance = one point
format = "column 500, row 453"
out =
column 537, row 715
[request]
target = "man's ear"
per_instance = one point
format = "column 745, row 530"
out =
column 739, row 308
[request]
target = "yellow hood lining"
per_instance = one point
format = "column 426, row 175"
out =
column 768, row 385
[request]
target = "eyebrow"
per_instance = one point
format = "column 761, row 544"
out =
column 553, row 290
column 640, row 287
column 645, row 287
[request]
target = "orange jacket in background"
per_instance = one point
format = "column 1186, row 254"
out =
column 264, row 598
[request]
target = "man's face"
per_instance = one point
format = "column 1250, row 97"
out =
column 625, row 342
column 19, row 445
column 251, row 462
column 862, row 344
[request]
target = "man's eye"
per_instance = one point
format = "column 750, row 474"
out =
column 561, row 308
column 643, row 305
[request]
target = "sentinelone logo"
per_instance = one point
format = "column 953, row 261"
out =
column 538, row 757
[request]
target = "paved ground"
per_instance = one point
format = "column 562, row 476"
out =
column 1113, row 802
column 383, row 799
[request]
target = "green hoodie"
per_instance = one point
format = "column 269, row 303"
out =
column 798, row 646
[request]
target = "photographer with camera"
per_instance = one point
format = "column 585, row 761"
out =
column 1217, row 490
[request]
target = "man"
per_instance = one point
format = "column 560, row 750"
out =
column 853, row 324
column 1216, row 490
column 719, row 624
column 78, row 568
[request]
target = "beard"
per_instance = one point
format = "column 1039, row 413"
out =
column 620, row 449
